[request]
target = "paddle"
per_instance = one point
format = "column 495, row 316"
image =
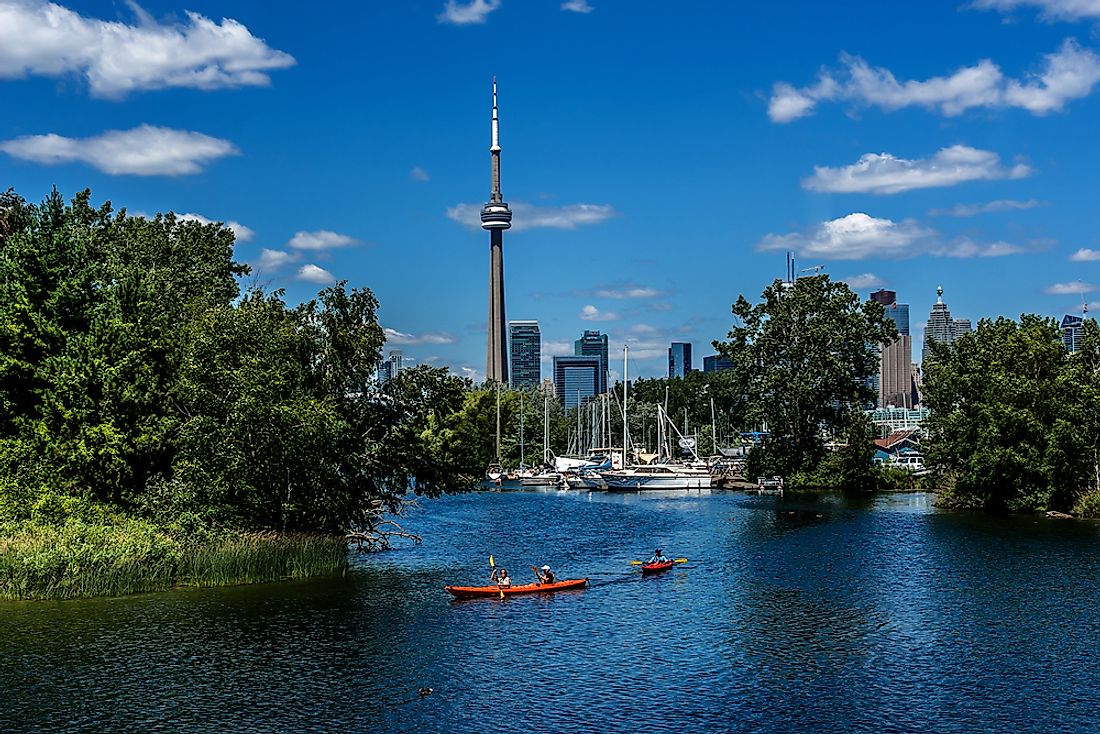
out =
column 642, row 563
column 493, row 575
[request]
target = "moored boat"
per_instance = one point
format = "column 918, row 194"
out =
column 473, row 592
column 657, row 476
column 656, row 567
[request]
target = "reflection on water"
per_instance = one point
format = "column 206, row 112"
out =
column 821, row 613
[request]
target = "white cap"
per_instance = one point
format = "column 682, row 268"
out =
column 545, row 568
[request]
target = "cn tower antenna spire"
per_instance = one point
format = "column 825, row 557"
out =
column 496, row 217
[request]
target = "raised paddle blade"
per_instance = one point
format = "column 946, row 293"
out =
column 491, row 564
column 637, row 563
column 680, row 560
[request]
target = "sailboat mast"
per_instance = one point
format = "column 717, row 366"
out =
column 498, row 423
column 522, row 455
column 546, row 430
column 626, row 388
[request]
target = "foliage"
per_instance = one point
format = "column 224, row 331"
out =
column 1015, row 419
column 806, row 353
column 136, row 380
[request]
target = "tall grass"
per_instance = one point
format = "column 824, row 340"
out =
column 77, row 559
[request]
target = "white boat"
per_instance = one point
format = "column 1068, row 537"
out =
column 656, row 476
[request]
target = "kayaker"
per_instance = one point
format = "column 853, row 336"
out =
column 658, row 557
column 502, row 579
column 546, row 576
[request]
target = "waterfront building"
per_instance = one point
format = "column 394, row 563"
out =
column 525, row 351
column 496, row 217
column 577, row 379
column 893, row 419
column 679, row 359
column 1072, row 330
column 716, row 362
column 593, row 344
column 895, row 375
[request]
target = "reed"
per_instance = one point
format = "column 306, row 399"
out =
column 77, row 559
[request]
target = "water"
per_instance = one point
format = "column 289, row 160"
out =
column 818, row 614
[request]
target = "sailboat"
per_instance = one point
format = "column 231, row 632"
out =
column 544, row 476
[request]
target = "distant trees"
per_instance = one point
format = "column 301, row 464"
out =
column 136, row 379
column 1015, row 422
column 806, row 352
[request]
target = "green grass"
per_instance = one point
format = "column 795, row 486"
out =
column 78, row 559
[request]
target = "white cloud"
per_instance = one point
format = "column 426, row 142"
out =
column 322, row 239
column 970, row 210
column 859, row 236
column 393, row 336
column 1048, row 9
column 551, row 349
column 315, row 274
column 530, row 216
column 241, row 232
column 863, row 281
column 882, row 173
column 473, row 12
column 591, row 313
column 46, row 39
column 1068, row 289
column 643, row 329
column 274, row 259
column 1085, row 255
column 419, row 174
column 577, row 6
column 142, row 151
column 1067, row 74
column 620, row 292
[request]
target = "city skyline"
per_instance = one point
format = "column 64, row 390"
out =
column 949, row 149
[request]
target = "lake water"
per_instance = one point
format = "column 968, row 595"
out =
column 814, row 614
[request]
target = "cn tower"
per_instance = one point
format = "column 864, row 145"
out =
column 496, row 217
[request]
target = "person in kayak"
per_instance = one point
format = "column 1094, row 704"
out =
column 546, row 576
column 658, row 557
column 501, row 577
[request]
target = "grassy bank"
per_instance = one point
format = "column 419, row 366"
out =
column 79, row 559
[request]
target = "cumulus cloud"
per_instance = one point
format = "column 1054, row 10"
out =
column 315, row 274
column 274, row 259
column 1069, row 73
column 142, row 151
column 1085, row 255
column 627, row 290
column 577, row 6
column 859, row 236
column 393, row 336
column 551, row 349
column 322, row 239
column 241, row 232
column 863, row 281
column 47, row 39
column 419, row 174
column 471, row 13
column 1048, row 9
column 1067, row 289
column 530, row 216
column 882, row 173
column 591, row 313
column 970, row 210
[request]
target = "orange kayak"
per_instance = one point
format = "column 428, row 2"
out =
column 471, row 592
column 655, row 567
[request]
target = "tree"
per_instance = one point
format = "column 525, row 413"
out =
column 806, row 352
column 1014, row 423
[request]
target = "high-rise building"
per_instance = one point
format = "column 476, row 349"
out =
column 962, row 326
column 593, row 344
column 577, row 379
column 940, row 327
column 1072, row 331
column 525, row 349
column 679, row 359
column 895, row 373
column 716, row 362
column 496, row 217
column 391, row 367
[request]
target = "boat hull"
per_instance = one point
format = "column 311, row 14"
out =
column 656, row 567
column 474, row 592
column 636, row 482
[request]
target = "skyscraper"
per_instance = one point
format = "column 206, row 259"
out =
column 716, row 362
column 679, row 359
column 594, row 344
column 391, row 367
column 962, row 326
column 940, row 327
column 577, row 379
column 496, row 217
column 895, row 374
column 1072, row 329
column 525, row 349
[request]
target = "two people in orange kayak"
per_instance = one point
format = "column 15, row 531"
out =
column 658, row 557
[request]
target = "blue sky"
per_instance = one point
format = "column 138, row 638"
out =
column 659, row 158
